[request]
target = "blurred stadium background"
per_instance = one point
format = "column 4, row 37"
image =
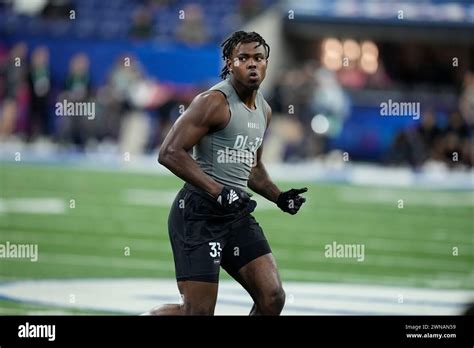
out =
column 89, row 192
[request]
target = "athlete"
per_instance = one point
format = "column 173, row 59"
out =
column 210, row 222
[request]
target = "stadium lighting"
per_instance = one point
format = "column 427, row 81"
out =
column 369, row 47
column 320, row 124
column 369, row 63
column 351, row 49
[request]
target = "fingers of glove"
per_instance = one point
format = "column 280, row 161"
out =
column 252, row 205
column 244, row 198
column 295, row 192
column 299, row 201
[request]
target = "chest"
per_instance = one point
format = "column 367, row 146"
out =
column 245, row 129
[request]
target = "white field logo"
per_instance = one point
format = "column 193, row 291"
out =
column 67, row 108
column 393, row 108
column 244, row 151
column 335, row 250
column 19, row 251
column 37, row 331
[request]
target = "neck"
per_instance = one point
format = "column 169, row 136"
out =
column 245, row 94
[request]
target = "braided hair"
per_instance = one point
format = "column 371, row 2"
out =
column 239, row 37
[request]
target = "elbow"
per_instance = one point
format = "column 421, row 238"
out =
column 165, row 154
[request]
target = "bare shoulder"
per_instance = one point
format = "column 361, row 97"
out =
column 268, row 112
column 210, row 107
column 210, row 101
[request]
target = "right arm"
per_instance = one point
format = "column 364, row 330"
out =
column 208, row 111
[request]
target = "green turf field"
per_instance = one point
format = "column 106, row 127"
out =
column 117, row 212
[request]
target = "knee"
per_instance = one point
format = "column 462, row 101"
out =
column 272, row 302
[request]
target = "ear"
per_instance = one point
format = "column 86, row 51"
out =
column 229, row 64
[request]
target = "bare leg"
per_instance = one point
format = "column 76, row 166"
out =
column 261, row 280
column 199, row 298
column 167, row 309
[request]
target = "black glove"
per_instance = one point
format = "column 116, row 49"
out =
column 233, row 199
column 291, row 201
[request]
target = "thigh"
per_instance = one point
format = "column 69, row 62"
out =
column 260, row 277
column 245, row 244
column 197, row 244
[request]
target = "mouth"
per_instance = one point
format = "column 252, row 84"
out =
column 253, row 76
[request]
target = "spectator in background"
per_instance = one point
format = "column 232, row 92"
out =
column 4, row 58
column 142, row 26
column 467, row 152
column 114, row 98
column 59, row 9
column 416, row 146
column 14, row 107
column 457, row 125
column 40, row 87
column 249, row 9
column 451, row 145
column 466, row 101
column 192, row 29
column 77, row 89
column 456, row 140
column 78, row 79
column 427, row 135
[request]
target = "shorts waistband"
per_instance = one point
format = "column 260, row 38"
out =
column 199, row 191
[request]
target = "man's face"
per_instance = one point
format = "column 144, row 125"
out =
column 248, row 64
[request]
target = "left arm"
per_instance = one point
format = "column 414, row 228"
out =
column 259, row 180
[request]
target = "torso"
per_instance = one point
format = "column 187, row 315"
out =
column 228, row 154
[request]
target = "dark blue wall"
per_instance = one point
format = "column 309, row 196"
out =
column 168, row 62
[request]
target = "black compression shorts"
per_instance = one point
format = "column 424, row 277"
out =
column 204, row 237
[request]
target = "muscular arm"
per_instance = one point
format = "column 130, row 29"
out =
column 259, row 180
column 208, row 111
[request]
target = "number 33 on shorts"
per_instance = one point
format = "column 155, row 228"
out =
column 215, row 249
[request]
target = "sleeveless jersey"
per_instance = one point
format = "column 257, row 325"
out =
column 229, row 154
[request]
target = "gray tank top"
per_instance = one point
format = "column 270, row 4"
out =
column 229, row 154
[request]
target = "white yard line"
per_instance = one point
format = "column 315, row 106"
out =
column 443, row 280
column 135, row 296
column 33, row 205
column 423, row 198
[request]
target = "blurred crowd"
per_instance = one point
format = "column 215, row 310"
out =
column 190, row 23
column 442, row 135
column 451, row 143
column 134, row 111
column 194, row 18
column 131, row 109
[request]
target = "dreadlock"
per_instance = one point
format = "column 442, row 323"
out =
column 239, row 37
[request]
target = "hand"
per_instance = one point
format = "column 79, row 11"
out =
column 291, row 201
column 234, row 199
